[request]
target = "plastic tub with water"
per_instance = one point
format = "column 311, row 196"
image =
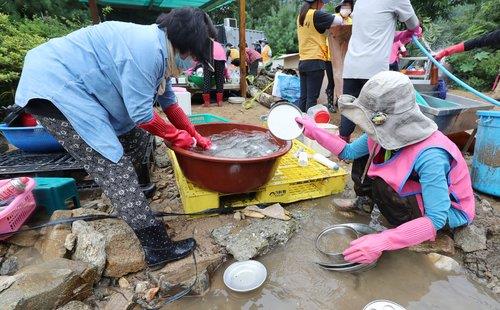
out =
column 229, row 175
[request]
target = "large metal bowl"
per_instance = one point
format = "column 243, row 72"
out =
column 342, row 230
column 229, row 175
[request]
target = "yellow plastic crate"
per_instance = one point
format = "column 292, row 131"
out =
column 290, row 183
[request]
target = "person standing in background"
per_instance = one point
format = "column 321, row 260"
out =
column 370, row 45
column 312, row 23
column 219, row 56
column 266, row 53
column 253, row 59
column 343, row 10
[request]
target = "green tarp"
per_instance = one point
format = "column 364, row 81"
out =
column 206, row 5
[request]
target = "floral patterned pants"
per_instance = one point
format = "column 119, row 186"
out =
column 117, row 180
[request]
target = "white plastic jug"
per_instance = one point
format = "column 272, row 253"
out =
column 183, row 98
column 315, row 145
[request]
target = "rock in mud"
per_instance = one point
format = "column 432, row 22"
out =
column 51, row 243
column 141, row 287
column 123, row 283
column 443, row 262
column 75, row 305
column 442, row 245
column 90, row 245
column 24, row 239
column 202, row 284
column 4, row 248
column 122, row 301
column 6, row 282
column 182, row 272
column 49, row 285
column 124, row 253
column 471, row 238
column 70, row 242
column 151, row 293
column 9, row 266
column 252, row 238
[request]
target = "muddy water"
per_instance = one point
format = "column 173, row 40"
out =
column 294, row 282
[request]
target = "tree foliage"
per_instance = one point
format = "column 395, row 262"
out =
column 71, row 9
column 17, row 37
column 478, row 67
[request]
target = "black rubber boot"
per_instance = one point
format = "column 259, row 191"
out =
column 159, row 249
column 331, row 103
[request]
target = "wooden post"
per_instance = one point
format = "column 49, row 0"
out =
column 94, row 12
column 243, row 61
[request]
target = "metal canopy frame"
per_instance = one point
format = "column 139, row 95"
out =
column 206, row 5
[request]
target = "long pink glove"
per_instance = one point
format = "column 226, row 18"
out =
column 367, row 249
column 457, row 48
column 405, row 36
column 159, row 127
column 330, row 142
column 179, row 119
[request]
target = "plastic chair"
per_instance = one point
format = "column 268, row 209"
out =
column 52, row 193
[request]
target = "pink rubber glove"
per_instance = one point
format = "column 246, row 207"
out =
column 457, row 48
column 179, row 119
column 367, row 249
column 405, row 36
column 330, row 142
column 159, row 127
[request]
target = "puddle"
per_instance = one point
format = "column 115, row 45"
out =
column 294, row 282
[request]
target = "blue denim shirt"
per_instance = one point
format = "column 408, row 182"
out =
column 103, row 78
column 432, row 167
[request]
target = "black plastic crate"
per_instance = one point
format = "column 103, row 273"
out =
column 18, row 163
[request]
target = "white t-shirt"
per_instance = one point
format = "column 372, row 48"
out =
column 373, row 28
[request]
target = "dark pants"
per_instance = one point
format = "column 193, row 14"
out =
column 394, row 66
column 351, row 87
column 310, row 86
column 396, row 209
column 118, row 181
column 219, row 66
column 254, row 67
column 329, row 75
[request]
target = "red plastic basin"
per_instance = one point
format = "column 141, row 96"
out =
column 229, row 175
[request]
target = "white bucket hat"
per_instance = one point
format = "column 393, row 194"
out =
column 387, row 111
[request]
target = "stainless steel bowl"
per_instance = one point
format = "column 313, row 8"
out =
column 343, row 230
column 336, row 262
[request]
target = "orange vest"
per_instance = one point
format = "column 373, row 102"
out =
column 312, row 44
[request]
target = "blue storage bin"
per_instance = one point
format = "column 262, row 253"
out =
column 31, row 139
column 486, row 159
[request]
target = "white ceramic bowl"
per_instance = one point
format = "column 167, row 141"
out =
column 245, row 276
column 236, row 100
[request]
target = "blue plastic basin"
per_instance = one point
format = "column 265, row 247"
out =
column 31, row 139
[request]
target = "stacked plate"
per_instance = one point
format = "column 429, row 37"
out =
column 349, row 232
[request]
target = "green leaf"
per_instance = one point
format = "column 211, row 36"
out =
column 481, row 55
